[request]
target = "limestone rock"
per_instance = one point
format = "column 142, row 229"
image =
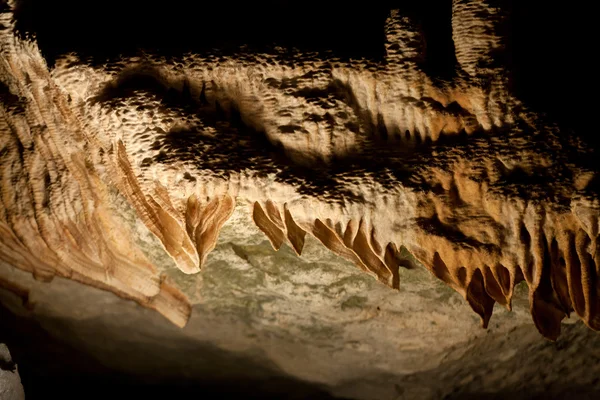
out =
column 368, row 156
column 10, row 383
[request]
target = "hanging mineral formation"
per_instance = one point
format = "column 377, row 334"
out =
column 366, row 156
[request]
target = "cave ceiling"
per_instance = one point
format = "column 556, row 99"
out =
column 396, row 140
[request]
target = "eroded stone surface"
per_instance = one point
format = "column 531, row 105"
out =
column 258, row 313
column 367, row 156
column 10, row 384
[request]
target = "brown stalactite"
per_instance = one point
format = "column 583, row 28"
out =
column 481, row 191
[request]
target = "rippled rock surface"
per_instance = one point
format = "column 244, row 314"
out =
column 130, row 166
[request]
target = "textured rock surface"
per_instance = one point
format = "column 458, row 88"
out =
column 182, row 141
column 10, row 384
column 124, row 172
column 260, row 317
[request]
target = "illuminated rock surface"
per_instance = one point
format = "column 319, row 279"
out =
column 10, row 384
column 131, row 174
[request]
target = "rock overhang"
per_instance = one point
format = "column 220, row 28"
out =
column 366, row 155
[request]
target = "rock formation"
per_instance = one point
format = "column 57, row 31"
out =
column 10, row 384
column 368, row 156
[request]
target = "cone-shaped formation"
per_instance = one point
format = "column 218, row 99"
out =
column 366, row 156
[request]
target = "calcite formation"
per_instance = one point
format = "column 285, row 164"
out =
column 369, row 156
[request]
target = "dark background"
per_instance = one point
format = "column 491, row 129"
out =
column 551, row 43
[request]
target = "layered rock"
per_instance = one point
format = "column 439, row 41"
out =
column 56, row 210
column 367, row 156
